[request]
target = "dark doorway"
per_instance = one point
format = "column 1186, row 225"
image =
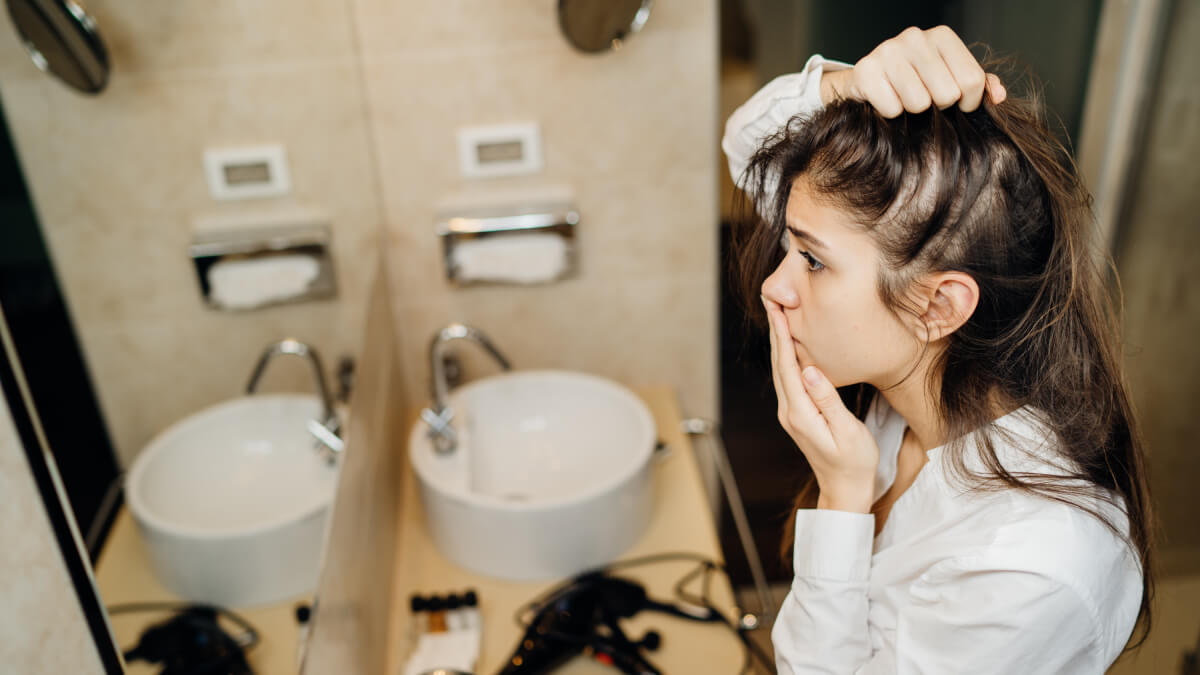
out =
column 50, row 357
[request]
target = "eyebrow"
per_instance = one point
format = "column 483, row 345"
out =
column 801, row 234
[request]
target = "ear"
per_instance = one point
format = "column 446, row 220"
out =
column 945, row 301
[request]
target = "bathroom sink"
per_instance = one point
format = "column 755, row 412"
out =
column 232, row 501
column 551, row 474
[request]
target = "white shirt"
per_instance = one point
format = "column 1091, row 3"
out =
column 959, row 580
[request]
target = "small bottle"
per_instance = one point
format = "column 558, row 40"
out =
column 472, row 624
column 471, row 609
column 437, row 615
column 454, row 614
column 419, row 605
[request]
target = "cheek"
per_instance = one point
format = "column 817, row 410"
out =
column 855, row 330
column 852, row 336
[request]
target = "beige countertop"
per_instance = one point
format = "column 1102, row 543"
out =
column 682, row 522
column 124, row 575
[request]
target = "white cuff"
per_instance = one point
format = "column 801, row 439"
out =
column 815, row 67
column 833, row 545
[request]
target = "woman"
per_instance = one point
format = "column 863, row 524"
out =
column 984, row 510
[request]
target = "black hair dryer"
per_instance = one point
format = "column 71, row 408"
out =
column 582, row 617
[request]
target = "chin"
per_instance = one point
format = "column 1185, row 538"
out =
column 840, row 380
column 837, row 381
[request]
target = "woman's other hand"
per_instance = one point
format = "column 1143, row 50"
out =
column 912, row 71
column 839, row 448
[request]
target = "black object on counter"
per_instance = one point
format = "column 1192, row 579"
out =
column 191, row 643
column 583, row 616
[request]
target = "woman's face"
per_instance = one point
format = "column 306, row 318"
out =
column 827, row 287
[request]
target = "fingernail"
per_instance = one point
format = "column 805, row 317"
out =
column 812, row 376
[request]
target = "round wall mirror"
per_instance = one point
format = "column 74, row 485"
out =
column 62, row 40
column 600, row 25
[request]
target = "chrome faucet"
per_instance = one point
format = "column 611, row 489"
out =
column 439, row 415
column 327, row 430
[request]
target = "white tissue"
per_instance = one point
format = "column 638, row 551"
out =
column 455, row 650
column 254, row 282
column 513, row 258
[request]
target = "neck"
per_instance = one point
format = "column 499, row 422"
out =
column 917, row 404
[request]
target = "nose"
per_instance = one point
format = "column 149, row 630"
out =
column 779, row 288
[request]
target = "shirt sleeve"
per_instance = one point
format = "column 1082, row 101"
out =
column 769, row 110
column 963, row 615
column 822, row 624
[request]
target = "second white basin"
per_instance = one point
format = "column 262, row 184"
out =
column 551, row 474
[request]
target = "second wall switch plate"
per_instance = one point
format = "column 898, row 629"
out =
column 247, row 172
column 499, row 150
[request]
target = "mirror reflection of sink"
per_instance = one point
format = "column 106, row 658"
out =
column 551, row 474
column 232, row 501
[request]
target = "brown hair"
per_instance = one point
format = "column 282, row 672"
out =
column 991, row 193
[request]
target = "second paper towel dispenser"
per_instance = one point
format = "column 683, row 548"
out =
column 527, row 244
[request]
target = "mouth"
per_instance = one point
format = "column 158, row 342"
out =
column 802, row 355
column 798, row 347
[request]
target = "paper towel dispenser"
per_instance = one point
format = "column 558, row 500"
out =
column 247, row 269
column 519, row 244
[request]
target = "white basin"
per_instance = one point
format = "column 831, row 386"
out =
column 551, row 474
column 232, row 501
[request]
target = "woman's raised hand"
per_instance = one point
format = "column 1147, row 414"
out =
column 912, row 71
column 839, row 448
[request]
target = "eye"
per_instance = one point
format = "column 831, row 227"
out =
column 814, row 265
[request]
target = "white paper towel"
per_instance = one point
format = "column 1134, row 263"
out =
column 253, row 282
column 511, row 258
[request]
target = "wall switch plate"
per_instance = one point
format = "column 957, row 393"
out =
column 499, row 150
column 247, row 172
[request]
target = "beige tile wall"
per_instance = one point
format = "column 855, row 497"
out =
column 117, row 181
column 631, row 133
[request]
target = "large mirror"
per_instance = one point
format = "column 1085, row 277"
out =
column 62, row 39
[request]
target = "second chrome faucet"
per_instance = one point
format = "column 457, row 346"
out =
column 439, row 415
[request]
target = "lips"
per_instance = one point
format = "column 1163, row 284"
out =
column 802, row 355
column 799, row 347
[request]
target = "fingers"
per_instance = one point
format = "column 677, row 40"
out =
column 995, row 89
column 779, row 392
column 908, row 85
column 875, row 87
column 786, row 365
column 837, row 85
column 797, row 412
column 784, row 368
column 825, row 396
column 917, row 69
column 929, row 66
column 962, row 64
